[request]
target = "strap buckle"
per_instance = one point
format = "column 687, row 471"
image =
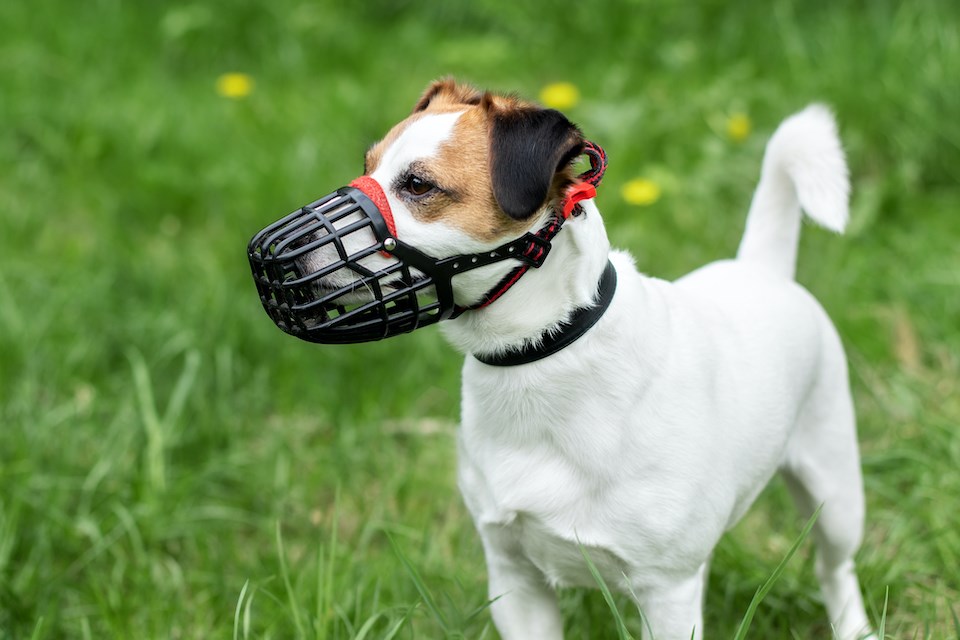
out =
column 576, row 193
column 536, row 249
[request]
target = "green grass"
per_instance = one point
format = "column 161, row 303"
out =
column 170, row 462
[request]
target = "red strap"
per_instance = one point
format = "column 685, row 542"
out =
column 372, row 189
column 598, row 163
column 501, row 289
column 586, row 188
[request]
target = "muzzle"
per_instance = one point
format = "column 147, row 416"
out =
column 335, row 272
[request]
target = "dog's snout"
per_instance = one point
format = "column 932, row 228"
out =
column 323, row 274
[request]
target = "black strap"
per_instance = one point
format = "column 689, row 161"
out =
column 581, row 321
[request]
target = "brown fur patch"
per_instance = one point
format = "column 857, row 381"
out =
column 461, row 169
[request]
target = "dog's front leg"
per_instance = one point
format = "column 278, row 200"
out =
column 674, row 609
column 524, row 605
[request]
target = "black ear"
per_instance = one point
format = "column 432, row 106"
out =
column 528, row 146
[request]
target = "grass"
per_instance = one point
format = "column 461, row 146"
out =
column 170, row 462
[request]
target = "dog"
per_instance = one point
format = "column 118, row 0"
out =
column 642, row 440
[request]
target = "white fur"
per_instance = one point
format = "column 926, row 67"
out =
column 650, row 436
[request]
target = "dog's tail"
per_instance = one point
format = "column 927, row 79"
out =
column 803, row 167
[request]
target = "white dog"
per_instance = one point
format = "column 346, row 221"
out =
column 650, row 435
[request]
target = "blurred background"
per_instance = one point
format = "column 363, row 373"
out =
column 173, row 466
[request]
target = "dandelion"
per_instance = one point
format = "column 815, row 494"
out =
column 234, row 85
column 641, row 192
column 738, row 127
column 560, row 95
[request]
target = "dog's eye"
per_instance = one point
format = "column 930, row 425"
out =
column 417, row 186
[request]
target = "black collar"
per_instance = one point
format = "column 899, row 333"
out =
column 581, row 321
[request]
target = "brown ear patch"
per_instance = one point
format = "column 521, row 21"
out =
column 448, row 92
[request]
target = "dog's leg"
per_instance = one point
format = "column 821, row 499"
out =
column 674, row 611
column 524, row 605
column 706, row 581
column 822, row 467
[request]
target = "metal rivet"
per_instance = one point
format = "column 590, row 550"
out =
column 473, row 259
column 456, row 265
column 511, row 249
column 390, row 244
column 493, row 254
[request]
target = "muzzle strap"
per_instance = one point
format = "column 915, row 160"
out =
column 584, row 189
column 533, row 254
column 372, row 189
column 598, row 163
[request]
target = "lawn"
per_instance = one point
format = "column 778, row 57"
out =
column 173, row 466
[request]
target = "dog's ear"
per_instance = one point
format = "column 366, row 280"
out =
column 530, row 148
column 450, row 91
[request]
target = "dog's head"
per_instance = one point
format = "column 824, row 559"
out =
column 465, row 172
column 478, row 163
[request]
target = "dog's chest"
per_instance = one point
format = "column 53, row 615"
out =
column 549, row 514
column 567, row 562
column 540, row 478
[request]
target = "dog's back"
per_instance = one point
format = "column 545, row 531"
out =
column 769, row 346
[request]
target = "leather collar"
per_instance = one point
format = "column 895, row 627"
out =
column 581, row 321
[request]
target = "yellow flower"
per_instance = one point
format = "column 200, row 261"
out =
column 560, row 95
column 738, row 127
column 641, row 192
column 234, row 85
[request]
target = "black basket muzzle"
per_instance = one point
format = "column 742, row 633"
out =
column 335, row 272
column 324, row 276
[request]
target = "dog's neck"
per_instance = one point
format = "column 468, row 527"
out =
column 543, row 298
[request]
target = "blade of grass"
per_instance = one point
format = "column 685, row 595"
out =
column 421, row 587
column 159, row 431
column 239, row 608
column 36, row 630
column 643, row 618
column 883, row 616
column 285, row 574
column 367, row 626
column 486, row 605
column 768, row 585
column 248, row 613
column 182, row 389
column 622, row 631
column 152, row 425
column 325, row 572
column 395, row 629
